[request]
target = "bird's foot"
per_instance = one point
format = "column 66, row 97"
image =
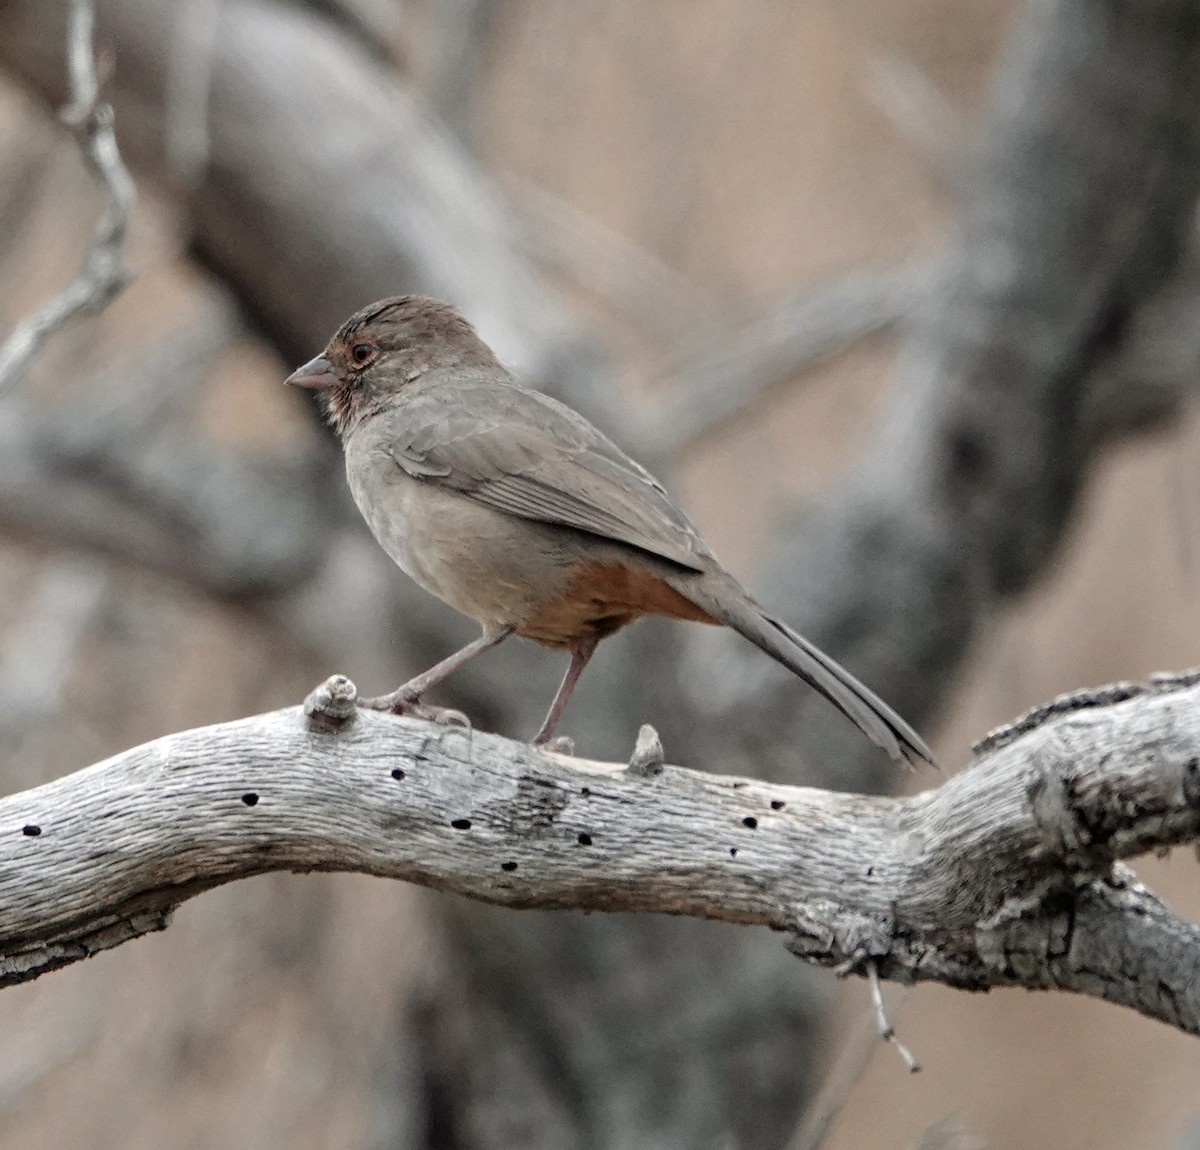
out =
column 401, row 702
column 559, row 744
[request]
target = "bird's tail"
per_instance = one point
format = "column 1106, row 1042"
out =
column 882, row 725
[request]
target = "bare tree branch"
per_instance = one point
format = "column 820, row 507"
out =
column 1021, row 346
column 923, row 116
column 626, row 277
column 162, row 500
column 1008, row 874
column 189, row 84
column 103, row 273
column 458, row 37
column 1093, row 132
column 720, row 375
column 723, row 375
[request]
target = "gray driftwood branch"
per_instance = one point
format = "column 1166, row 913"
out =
column 103, row 273
column 1008, row 874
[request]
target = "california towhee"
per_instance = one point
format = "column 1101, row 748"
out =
column 516, row 511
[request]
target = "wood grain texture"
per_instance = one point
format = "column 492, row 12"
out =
column 1008, row 874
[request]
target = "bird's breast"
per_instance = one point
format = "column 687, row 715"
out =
column 386, row 498
column 491, row 566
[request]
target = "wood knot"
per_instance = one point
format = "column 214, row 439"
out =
column 648, row 755
column 332, row 705
column 1051, row 802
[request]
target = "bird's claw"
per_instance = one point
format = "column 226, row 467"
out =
column 445, row 716
column 398, row 704
column 559, row 744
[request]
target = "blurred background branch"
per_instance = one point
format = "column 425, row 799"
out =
column 103, row 273
column 298, row 159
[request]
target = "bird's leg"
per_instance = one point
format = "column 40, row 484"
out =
column 406, row 699
column 579, row 659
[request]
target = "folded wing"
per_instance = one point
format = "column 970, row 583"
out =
column 536, row 459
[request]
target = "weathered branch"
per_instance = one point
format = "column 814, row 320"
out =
column 1092, row 135
column 1007, row 874
column 103, row 273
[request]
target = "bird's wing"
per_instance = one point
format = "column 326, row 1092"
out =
column 524, row 453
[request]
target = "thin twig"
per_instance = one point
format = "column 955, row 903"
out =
column 923, row 116
column 886, row 1032
column 726, row 371
column 614, row 268
column 103, row 273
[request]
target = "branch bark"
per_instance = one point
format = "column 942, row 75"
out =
column 1008, row 874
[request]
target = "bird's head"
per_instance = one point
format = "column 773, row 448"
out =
column 384, row 348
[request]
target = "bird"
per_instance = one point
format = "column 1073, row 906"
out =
column 515, row 510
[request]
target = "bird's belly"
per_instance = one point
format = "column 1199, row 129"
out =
column 549, row 583
column 493, row 567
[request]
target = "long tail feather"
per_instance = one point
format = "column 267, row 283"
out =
column 879, row 722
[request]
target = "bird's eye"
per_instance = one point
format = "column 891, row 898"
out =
column 362, row 352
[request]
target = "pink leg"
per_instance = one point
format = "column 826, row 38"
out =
column 405, row 699
column 579, row 659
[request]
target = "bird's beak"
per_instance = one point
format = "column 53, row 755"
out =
column 316, row 375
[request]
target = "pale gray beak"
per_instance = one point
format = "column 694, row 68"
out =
column 316, row 375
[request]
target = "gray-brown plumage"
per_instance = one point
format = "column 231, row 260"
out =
column 515, row 510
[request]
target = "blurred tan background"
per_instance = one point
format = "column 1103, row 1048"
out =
column 749, row 147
